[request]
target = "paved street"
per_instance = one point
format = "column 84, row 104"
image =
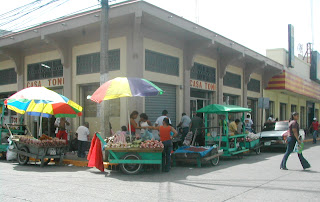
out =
column 253, row 178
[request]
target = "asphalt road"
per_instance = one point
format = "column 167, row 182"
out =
column 253, row 178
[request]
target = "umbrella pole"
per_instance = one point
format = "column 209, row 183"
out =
column 40, row 127
column 129, row 122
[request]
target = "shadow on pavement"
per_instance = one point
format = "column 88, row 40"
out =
column 51, row 167
column 182, row 171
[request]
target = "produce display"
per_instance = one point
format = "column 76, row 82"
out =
column 136, row 144
column 43, row 141
column 151, row 144
column 250, row 137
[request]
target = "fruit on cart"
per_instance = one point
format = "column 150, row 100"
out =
column 151, row 144
column 45, row 137
column 44, row 142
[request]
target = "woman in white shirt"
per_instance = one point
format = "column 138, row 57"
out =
column 144, row 122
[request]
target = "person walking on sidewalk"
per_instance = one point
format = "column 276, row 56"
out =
column 315, row 127
column 291, row 142
column 83, row 133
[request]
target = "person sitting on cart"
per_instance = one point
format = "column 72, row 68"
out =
column 166, row 139
column 233, row 127
column 61, row 124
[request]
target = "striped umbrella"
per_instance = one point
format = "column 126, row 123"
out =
column 125, row 87
column 40, row 101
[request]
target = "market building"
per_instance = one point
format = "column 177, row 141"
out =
column 295, row 89
column 193, row 65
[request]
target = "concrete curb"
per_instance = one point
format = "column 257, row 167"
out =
column 85, row 163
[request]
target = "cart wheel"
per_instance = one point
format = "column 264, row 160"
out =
column 22, row 159
column 215, row 161
column 258, row 150
column 133, row 168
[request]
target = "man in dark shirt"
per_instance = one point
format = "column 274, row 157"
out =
column 196, row 125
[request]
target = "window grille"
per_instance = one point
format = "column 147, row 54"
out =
column 8, row 76
column 254, row 85
column 203, row 73
column 232, row 80
column 161, row 63
column 44, row 70
column 90, row 63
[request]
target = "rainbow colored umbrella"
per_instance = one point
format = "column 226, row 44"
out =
column 40, row 101
column 125, row 87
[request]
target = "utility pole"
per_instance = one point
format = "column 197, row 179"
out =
column 104, row 105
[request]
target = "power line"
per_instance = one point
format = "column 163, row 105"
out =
column 45, row 10
column 28, row 12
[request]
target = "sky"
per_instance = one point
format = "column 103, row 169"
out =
column 256, row 24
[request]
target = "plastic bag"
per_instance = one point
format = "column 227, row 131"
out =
column 146, row 135
column 10, row 154
column 155, row 134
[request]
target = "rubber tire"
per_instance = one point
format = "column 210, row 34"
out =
column 258, row 150
column 215, row 161
column 131, row 169
column 23, row 160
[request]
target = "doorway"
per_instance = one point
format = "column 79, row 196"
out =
column 198, row 100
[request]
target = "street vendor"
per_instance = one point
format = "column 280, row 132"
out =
column 61, row 124
column 233, row 127
column 166, row 139
column 133, row 124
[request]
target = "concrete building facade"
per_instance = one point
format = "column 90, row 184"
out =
column 193, row 65
column 293, row 90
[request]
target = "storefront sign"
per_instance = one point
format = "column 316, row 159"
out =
column 202, row 85
column 47, row 83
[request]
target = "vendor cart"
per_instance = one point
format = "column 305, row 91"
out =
column 198, row 154
column 132, row 159
column 253, row 145
column 3, row 129
column 43, row 153
column 229, row 143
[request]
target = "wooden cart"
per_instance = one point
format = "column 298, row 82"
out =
column 132, row 159
column 197, row 154
column 27, row 151
column 45, row 154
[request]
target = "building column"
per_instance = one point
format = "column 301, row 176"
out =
column 223, row 62
column 189, row 52
column 188, row 62
column 65, row 52
column 135, row 61
column 249, row 68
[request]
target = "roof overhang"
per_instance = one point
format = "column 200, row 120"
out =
column 85, row 28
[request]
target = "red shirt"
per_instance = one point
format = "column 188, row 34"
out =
column 315, row 125
column 165, row 133
column 132, row 128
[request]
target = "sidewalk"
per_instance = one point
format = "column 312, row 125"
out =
column 72, row 159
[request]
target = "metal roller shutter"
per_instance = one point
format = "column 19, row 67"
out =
column 154, row 105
